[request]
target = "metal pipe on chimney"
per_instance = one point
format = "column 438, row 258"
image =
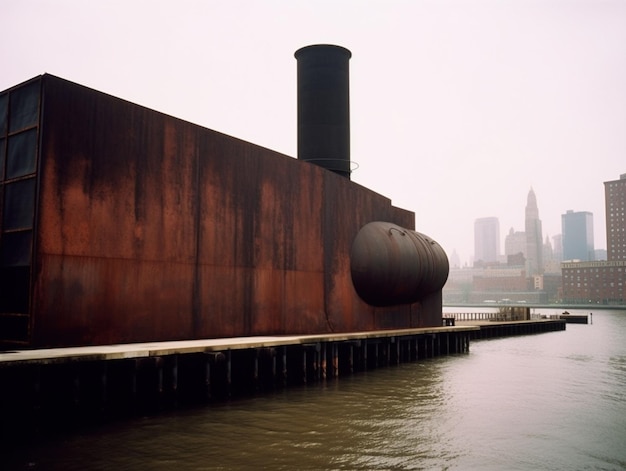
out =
column 324, row 107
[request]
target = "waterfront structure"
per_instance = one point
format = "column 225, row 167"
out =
column 615, row 207
column 577, row 230
column 121, row 224
column 70, row 386
column 486, row 240
column 471, row 285
column 500, row 280
column 602, row 282
column 534, row 238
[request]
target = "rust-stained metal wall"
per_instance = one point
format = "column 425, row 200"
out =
column 151, row 228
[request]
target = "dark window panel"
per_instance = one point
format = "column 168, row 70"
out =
column 2, row 157
column 15, row 250
column 24, row 107
column 22, row 154
column 19, row 205
column 14, row 294
column 14, row 329
column 4, row 109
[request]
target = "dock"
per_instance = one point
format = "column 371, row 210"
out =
column 82, row 383
column 575, row 318
column 493, row 329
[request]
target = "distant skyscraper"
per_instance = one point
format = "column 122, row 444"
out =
column 486, row 240
column 548, row 252
column 557, row 247
column 577, row 229
column 534, row 239
column 615, row 206
column 455, row 260
column 550, row 263
column 515, row 243
column 602, row 282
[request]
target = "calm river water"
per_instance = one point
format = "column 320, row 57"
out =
column 553, row 401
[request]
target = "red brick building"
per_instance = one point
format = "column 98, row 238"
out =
column 602, row 282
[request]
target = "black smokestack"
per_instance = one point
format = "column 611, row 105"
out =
column 324, row 107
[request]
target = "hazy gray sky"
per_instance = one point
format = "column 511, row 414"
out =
column 458, row 107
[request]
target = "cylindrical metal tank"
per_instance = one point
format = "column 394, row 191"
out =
column 324, row 107
column 392, row 265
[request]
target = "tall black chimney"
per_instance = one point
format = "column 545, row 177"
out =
column 324, row 107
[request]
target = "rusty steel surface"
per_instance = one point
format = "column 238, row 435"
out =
column 150, row 228
column 392, row 265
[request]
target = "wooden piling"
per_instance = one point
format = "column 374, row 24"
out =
column 146, row 378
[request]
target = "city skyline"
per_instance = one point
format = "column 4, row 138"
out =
column 570, row 270
column 457, row 107
column 503, row 234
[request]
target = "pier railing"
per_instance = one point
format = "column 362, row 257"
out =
column 485, row 316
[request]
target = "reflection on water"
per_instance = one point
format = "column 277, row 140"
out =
column 548, row 401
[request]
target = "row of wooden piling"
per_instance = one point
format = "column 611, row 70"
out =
column 63, row 389
column 76, row 388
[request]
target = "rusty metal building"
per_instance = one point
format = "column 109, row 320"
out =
column 122, row 224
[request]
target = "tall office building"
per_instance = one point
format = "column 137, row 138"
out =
column 557, row 247
column 551, row 265
column 515, row 243
column 534, row 239
column 577, row 230
column 486, row 240
column 603, row 282
column 615, row 207
column 548, row 251
column 455, row 260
